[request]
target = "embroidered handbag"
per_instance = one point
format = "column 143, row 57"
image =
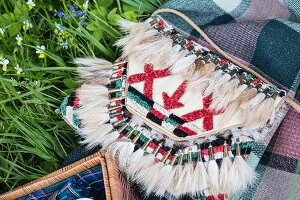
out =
column 177, row 117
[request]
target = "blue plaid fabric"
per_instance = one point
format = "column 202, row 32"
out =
column 87, row 184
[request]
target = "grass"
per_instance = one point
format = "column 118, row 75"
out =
column 34, row 140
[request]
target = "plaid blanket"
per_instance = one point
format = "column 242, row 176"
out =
column 86, row 184
column 266, row 36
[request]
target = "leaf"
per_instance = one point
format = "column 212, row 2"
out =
column 113, row 17
column 97, row 35
column 104, row 3
column 92, row 27
column 69, row 83
column 130, row 15
column 14, row 29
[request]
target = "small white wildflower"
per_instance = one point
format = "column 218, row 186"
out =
column 30, row 4
column 59, row 27
column 18, row 69
column 27, row 24
column 85, row 5
column 4, row 62
column 2, row 31
column 40, row 51
column 65, row 44
column 19, row 40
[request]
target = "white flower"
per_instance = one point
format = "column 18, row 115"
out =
column 18, row 69
column 2, row 31
column 27, row 24
column 30, row 4
column 40, row 51
column 65, row 44
column 4, row 62
column 85, row 5
column 19, row 40
column 59, row 27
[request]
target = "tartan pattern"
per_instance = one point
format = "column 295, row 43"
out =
column 270, row 46
column 88, row 183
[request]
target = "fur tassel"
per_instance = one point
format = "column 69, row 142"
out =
column 224, row 171
column 225, row 95
column 142, row 163
column 235, row 105
column 183, row 64
column 241, row 175
column 108, row 139
column 150, row 176
column 92, row 67
column 216, row 84
column 121, row 152
column 213, row 173
column 177, row 171
column 130, row 27
column 166, row 179
column 92, row 136
column 154, row 52
column 154, row 175
column 260, row 114
column 137, row 155
column 200, row 177
column 185, row 181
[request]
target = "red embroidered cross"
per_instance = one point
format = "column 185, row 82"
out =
column 205, row 113
column 148, row 78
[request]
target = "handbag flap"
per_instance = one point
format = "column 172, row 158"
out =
column 172, row 104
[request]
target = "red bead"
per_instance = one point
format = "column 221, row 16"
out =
column 256, row 81
column 160, row 23
column 223, row 62
column 188, row 44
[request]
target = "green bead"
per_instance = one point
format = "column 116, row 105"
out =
column 185, row 158
column 214, row 57
column 143, row 138
column 182, row 37
column 194, row 155
column 248, row 77
column 273, row 89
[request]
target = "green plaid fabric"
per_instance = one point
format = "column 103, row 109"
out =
column 266, row 36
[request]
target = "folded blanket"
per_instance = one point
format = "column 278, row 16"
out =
column 266, row 36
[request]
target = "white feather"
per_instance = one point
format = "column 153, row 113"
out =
column 138, row 154
column 166, row 178
column 216, row 84
column 224, row 171
column 183, row 64
column 200, row 179
column 185, row 180
column 213, row 177
column 177, row 171
column 106, row 140
column 140, row 164
column 150, row 177
column 240, row 176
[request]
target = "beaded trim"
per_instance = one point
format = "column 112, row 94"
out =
column 205, row 56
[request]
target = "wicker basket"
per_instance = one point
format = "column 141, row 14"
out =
column 116, row 186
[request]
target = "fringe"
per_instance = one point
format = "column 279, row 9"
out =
column 91, row 68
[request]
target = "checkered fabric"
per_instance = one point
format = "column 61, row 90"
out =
column 265, row 35
column 86, row 184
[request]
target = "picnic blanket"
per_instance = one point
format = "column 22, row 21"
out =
column 266, row 36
